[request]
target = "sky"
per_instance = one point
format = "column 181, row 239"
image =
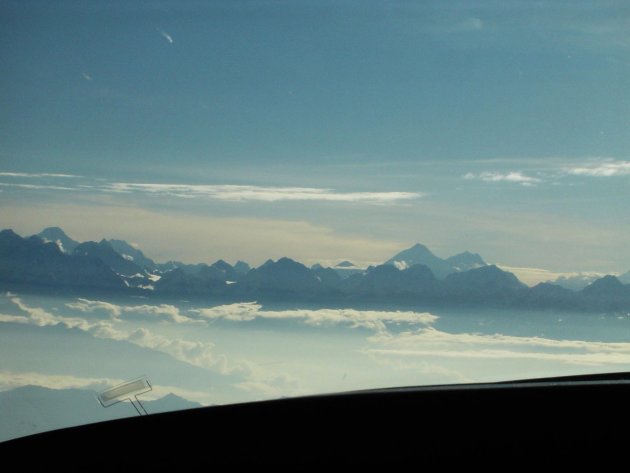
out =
column 322, row 130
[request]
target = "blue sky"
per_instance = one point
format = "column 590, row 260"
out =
column 322, row 130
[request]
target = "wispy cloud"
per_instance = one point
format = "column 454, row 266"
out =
column 86, row 76
column 16, row 319
column 11, row 380
column 86, row 305
column 220, row 192
column 36, row 175
column 606, row 168
column 238, row 193
column 272, row 386
column 38, row 186
column 166, row 36
column 167, row 312
column 371, row 319
column 473, row 23
column 514, row 176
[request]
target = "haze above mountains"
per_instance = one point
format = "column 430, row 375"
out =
column 52, row 261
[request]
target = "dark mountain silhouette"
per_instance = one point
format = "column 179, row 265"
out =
column 387, row 280
column 624, row 278
column 58, row 236
column 547, row 295
column 465, row 261
column 169, row 265
column 32, row 264
column 180, row 282
column 132, row 254
column 104, row 252
column 344, row 264
column 420, row 254
column 607, row 293
column 483, row 284
column 241, row 267
column 328, row 277
column 608, row 286
column 344, row 269
column 576, row 282
column 284, row 276
column 197, row 279
column 190, row 269
column 224, row 271
column 30, row 261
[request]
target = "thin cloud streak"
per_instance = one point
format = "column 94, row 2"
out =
column 430, row 342
column 602, row 169
column 238, row 193
column 166, row 36
column 220, row 192
column 38, row 187
column 38, row 174
column 513, row 176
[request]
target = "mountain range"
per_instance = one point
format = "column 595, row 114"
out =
column 420, row 254
column 31, row 409
column 52, row 261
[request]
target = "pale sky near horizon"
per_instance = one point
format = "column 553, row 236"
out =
column 322, row 130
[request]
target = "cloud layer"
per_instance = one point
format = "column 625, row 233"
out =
column 243, row 312
column 193, row 352
column 430, row 342
column 401, row 347
column 371, row 319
